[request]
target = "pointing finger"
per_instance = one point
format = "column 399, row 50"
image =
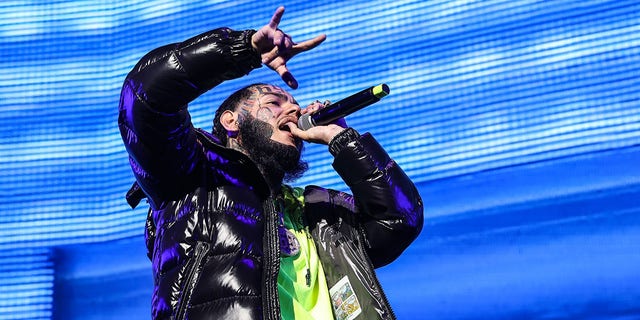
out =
column 287, row 77
column 275, row 20
column 309, row 44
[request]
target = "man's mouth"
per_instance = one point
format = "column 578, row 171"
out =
column 284, row 127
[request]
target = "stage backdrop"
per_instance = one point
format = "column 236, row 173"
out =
column 518, row 120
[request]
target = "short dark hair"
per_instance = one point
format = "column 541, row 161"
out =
column 231, row 103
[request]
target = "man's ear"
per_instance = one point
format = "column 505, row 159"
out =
column 229, row 121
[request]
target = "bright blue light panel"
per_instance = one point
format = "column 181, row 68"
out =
column 475, row 85
column 26, row 284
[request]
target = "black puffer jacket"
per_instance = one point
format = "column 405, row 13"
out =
column 212, row 228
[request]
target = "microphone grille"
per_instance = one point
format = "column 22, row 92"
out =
column 305, row 122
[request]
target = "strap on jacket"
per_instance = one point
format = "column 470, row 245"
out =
column 135, row 195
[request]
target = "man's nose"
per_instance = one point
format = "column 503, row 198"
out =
column 292, row 108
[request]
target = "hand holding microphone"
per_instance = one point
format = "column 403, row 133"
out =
column 343, row 107
column 319, row 126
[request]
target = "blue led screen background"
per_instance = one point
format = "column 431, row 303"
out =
column 479, row 90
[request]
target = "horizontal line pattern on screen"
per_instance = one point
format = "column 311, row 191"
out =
column 474, row 86
column 26, row 284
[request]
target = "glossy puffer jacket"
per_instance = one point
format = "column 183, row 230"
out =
column 212, row 227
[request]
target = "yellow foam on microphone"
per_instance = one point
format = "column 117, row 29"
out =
column 380, row 91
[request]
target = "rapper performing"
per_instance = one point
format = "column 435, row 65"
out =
column 227, row 235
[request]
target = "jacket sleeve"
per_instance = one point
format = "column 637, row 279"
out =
column 389, row 206
column 153, row 118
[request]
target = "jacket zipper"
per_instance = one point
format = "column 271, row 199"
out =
column 201, row 247
column 271, row 247
column 375, row 279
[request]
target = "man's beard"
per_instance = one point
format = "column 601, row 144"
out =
column 279, row 162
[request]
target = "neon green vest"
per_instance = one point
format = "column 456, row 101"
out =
column 302, row 286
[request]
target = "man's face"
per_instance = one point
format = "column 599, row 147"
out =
column 276, row 107
column 264, row 135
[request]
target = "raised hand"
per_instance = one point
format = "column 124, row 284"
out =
column 276, row 47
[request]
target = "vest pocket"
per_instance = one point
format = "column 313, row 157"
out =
column 191, row 277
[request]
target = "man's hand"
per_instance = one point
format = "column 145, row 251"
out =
column 318, row 134
column 276, row 47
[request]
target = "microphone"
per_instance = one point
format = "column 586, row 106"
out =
column 343, row 107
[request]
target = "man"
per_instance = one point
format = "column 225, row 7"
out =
column 226, row 238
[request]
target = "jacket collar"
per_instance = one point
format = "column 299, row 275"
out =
column 237, row 164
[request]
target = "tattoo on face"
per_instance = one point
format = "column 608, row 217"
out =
column 247, row 105
column 262, row 90
column 264, row 114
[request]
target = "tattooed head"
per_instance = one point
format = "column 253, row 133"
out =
column 238, row 99
column 262, row 111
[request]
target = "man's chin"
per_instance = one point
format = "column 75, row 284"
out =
column 296, row 143
column 290, row 161
column 277, row 159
